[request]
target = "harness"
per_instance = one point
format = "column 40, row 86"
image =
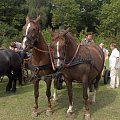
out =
column 37, row 68
column 77, row 60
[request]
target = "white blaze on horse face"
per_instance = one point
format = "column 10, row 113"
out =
column 25, row 38
column 58, row 55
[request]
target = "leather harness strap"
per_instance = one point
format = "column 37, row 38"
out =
column 74, row 55
column 51, row 58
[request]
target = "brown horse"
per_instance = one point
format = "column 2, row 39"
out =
column 40, row 61
column 81, row 63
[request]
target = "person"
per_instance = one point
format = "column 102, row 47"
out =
column 17, row 47
column 114, row 64
column 105, row 51
column 88, row 39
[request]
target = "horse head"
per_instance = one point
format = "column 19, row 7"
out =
column 58, row 46
column 30, row 33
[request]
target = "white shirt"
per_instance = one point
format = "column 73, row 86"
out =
column 112, row 60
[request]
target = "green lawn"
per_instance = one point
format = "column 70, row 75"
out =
column 19, row 106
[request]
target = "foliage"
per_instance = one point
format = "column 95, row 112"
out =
column 110, row 18
column 47, row 35
column 88, row 14
column 65, row 13
column 13, row 12
column 12, row 17
column 81, row 35
column 99, row 16
column 39, row 7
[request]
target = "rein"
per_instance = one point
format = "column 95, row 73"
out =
column 50, row 53
column 51, row 58
column 67, row 65
column 44, row 51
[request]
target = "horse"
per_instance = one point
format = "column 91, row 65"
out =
column 81, row 63
column 41, row 61
column 10, row 65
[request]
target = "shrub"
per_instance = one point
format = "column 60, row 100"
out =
column 47, row 35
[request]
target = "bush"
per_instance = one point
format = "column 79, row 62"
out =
column 47, row 36
column 81, row 36
column 5, row 41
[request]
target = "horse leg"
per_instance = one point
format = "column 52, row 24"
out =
column 69, row 88
column 95, row 88
column 55, row 90
column 48, row 94
column 9, row 85
column 36, row 95
column 94, row 95
column 85, row 97
column 14, row 85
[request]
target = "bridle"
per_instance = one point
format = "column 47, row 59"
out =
column 64, row 58
column 35, row 41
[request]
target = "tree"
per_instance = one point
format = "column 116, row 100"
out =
column 89, row 10
column 13, row 12
column 12, row 16
column 110, row 18
column 39, row 7
column 65, row 13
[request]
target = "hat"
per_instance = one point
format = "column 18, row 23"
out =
column 101, row 44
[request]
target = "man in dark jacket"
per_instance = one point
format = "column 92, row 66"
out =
column 88, row 39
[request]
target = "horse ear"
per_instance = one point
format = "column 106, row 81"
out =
column 51, row 32
column 37, row 19
column 65, row 32
column 27, row 19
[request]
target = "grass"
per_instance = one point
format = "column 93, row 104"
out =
column 19, row 105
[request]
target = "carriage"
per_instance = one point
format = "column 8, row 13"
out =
column 106, row 75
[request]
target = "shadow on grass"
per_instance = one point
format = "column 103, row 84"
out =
column 104, row 98
column 19, row 89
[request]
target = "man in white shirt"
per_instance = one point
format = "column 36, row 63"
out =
column 114, row 63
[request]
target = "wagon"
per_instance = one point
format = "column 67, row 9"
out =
column 106, row 75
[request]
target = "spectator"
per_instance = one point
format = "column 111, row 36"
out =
column 114, row 63
column 105, row 51
column 88, row 39
column 17, row 47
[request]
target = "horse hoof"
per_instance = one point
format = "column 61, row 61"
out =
column 55, row 99
column 69, row 114
column 87, row 116
column 48, row 112
column 93, row 101
column 13, row 91
column 34, row 114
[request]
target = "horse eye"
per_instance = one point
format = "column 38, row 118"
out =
column 33, row 29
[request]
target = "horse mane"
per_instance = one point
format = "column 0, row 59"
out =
column 70, row 37
column 84, row 52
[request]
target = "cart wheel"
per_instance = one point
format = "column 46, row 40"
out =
column 106, row 76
